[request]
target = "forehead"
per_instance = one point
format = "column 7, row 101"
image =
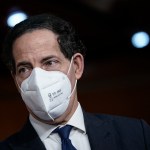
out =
column 36, row 36
column 35, row 42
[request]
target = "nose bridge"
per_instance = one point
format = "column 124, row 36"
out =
column 36, row 63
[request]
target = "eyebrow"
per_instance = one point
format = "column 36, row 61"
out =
column 24, row 63
column 46, row 58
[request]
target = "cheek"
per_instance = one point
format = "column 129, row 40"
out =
column 17, row 85
column 72, row 77
column 18, row 82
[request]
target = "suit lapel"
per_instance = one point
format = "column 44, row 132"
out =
column 100, row 133
column 27, row 139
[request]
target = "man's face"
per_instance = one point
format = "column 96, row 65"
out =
column 40, row 48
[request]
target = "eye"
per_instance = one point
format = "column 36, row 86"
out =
column 51, row 64
column 24, row 71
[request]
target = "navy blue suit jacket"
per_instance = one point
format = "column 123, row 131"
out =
column 105, row 132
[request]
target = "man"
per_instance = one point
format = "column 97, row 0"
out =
column 46, row 58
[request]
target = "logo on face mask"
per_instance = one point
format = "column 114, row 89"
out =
column 50, row 97
column 54, row 95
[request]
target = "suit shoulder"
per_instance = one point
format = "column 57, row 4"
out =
column 125, row 123
column 19, row 137
column 116, row 118
column 5, row 144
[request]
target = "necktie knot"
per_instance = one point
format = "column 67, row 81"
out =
column 64, row 135
column 64, row 131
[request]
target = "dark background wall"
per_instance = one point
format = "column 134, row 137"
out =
column 117, row 76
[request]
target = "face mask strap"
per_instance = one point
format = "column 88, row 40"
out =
column 70, row 65
column 73, row 89
column 76, row 79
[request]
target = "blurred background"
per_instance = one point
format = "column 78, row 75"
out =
column 117, row 64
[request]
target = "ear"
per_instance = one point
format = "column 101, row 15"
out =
column 78, row 62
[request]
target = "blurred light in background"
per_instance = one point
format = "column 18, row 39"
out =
column 15, row 17
column 140, row 39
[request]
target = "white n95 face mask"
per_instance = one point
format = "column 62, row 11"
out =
column 47, row 93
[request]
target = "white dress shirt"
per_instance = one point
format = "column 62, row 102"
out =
column 52, row 141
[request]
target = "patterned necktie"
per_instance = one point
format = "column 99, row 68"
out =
column 64, row 135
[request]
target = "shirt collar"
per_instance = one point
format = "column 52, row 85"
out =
column 44, row 130
column 77, row 119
